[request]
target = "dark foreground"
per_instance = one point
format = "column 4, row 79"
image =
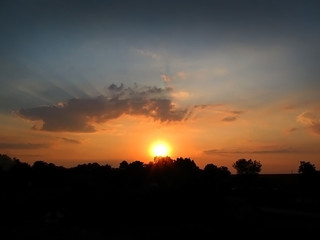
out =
column 95, row 202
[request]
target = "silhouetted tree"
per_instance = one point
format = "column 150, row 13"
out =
column 216, row 176
column 149, row 165
column 20, row 166
column 309, row 178
column 185, row 164
column 211, row 174
column 307, row 168
column 21, row 172
column 247, row 167
column 210, row 169
column 136, row 165
column 224, row 171
column 40, row 165
column 136, row 173
column 6, row 162
column 124, row 165
column 163, row 161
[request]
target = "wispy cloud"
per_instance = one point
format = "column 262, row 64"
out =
column 8, row 145
column 260, row 151
column 80, row 114
column 229, row 119
column 290, row 130
column 218, row 112
column 232, row 115
column 148, row 53
column 165, row 78
column 70, row 140
column 311, row 120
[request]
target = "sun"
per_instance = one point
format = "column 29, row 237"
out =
column 160, row 149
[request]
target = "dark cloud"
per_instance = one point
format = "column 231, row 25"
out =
column 204, row 106
column 70, row 140
column 292, row 130
column 79, row 115
column 267, row 151
column 6, row 145
column 236, row 112
column 280, row 150
column 233, row 117
column 229, row 119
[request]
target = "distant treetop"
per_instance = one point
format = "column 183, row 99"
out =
column 247, row 167
column 306, row 168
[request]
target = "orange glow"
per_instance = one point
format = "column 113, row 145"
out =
column 160, row 149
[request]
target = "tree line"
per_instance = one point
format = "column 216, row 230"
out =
column 242, row 166
column 165, row 192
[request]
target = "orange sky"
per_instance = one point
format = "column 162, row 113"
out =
column 278, row 142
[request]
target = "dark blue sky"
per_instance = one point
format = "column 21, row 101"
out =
column 70, row 44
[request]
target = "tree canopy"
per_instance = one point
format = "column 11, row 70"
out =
column 306, row 168
column 244, row 166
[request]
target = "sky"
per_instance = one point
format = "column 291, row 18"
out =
column 217, row 81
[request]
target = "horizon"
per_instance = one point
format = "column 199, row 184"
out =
column 214, row 81
column 116, row 163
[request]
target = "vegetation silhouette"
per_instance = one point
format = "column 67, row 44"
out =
column 166, row 198
column 247, row 167
column 309, row 179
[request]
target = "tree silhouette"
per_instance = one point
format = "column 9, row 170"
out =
column 163, row 161
column 124, row 164
column 307, row 168
column 185, row 164
column 136, row 165
column 224, row 171
column 247, row 167
column 5, row 162
column 309, row 178
column 213, row 170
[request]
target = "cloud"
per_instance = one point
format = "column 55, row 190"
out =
column 80, row 114
column 233, row 117
column 261, row 151
column 5, row 145
column 204, row 106
column 165, row 78
column 218, row 112
column 229, row 119
column 178, row 76
column 290, row 130
column 181, row 94
column 148, row 53
column 311, row 120
column 236, row 112
column 70, row 140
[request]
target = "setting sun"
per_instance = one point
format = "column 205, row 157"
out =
column 160, row 149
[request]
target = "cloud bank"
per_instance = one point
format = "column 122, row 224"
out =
column 80, row 114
